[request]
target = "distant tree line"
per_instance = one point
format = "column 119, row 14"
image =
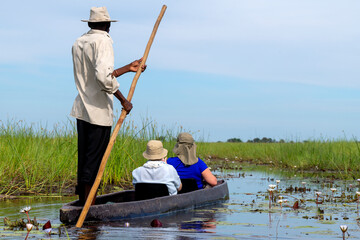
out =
column 257, row 140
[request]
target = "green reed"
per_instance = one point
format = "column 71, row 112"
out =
column 36, row 160
column 339, row 156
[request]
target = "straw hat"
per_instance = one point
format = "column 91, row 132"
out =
column 155, row 150
column 99, row 14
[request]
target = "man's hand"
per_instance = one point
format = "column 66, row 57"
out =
column 127, row 106
column 133, row 67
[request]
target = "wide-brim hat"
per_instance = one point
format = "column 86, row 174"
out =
column 155, row 150
column 185, row 149
column 99, row 14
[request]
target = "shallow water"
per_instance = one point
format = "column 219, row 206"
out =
column 245, row 216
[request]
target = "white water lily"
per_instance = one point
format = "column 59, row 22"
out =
column 277, row 181
column 48, row 230
column 271, row 190
column 272, row 186
column 343, row 228
column 333, row 189
column 280, row 197
column 303, row 183
column 358, row 194
column 29, row 227
column 25, row 209
column 280, row 201
column 318, row 193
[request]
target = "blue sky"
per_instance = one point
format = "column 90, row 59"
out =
column 221, row 69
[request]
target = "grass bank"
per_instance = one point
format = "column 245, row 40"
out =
column 341, row 157
column 37, row 161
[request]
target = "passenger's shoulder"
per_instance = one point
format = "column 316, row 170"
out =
column 171, row 160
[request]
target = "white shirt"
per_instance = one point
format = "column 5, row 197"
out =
column 157, row 172
column 93, row 63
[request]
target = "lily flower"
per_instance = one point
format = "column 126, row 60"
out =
column 343, row 228
column 29, row 227
column 47, row 227
column 26, row 210
column 277, row 181
column 272, row 186
column 333, row 189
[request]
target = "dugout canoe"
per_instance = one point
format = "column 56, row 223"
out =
column 122, row 205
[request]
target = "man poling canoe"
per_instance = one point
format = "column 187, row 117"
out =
column 95, row 79
column 140, row 69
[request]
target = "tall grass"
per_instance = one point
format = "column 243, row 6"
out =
column 36, row 160
column 339, row 156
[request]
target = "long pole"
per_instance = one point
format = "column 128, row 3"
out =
column 118, row 125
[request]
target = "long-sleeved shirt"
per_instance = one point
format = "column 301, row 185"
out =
column 157, row 172
column 93, row 62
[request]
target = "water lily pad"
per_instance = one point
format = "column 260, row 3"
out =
column 323, row 232
column 299, row 227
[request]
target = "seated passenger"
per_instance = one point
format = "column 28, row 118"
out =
column 156, row 170
column 187, row 164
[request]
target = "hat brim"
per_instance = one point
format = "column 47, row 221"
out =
column 99, row 21
column 156, row 156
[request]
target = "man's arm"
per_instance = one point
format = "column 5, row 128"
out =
column 131, row 67
column 124, row 102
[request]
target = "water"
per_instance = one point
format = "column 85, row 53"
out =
column 245, row 216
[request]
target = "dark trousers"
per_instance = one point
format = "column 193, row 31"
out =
column 92, row 143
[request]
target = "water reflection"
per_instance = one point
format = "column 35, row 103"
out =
column 199, row 226
column 89, row 233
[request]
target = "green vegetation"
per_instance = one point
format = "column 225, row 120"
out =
column 34, row 160
column 37, row 161
column 341, row 157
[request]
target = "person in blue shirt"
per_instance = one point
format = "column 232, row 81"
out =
column 187, row 164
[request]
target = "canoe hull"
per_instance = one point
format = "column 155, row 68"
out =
column 121, row 205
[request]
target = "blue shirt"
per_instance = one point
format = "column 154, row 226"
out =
column 193, row 171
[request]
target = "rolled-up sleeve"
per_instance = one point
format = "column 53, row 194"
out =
column 104, row 66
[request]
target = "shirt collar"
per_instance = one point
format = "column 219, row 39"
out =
column 96, row 31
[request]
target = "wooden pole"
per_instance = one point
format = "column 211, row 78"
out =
column 118, row 125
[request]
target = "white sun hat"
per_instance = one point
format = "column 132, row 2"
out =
column 99, row 14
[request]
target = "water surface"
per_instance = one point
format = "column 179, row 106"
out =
column 246, row 215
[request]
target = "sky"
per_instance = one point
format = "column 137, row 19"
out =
column 220, row 69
